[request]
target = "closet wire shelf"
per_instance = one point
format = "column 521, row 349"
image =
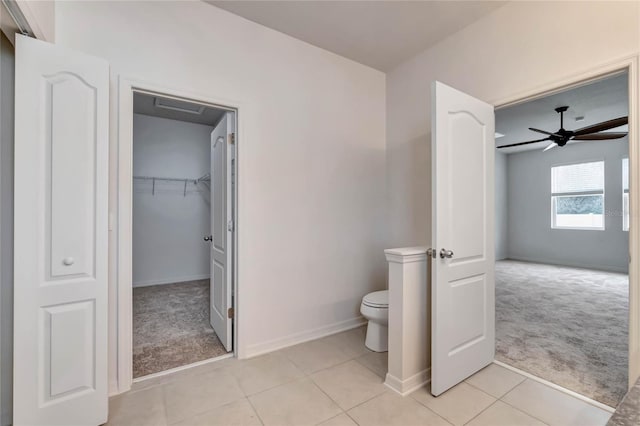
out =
column 204, row 179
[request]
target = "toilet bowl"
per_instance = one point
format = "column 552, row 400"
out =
column 375, row 308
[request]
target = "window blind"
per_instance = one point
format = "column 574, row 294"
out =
column 581, row 177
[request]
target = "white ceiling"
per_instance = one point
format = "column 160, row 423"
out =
column 381, row 34
column 599, row 101
column 146, row 104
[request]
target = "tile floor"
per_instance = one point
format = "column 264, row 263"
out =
column 337, row 381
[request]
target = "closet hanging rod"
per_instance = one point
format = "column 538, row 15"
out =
column 166, row 178
column 186, row 181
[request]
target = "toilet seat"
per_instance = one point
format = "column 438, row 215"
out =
column 377, row 299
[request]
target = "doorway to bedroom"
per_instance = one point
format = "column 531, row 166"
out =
column 183, row 206
column 562, row 238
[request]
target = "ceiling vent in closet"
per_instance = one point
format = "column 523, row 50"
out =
column 180, row 106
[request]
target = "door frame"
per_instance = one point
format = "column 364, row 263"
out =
column 627, row 64
column 123, row 175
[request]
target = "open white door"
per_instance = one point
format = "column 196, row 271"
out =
column 462, row 280
column 61, row 226
column 222, row 146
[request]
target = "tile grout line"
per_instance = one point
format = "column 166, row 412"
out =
column 505, row 402
column 330, row 399
column 217, row 406
column 525, row 412
column 286, row 382
column 354, row 358
column 349, row 415
column 367, row 400
column 336, row 402
column 366, row 366
column 478, row 389
column 496, row 397
column 255, row 410
column 482, row 411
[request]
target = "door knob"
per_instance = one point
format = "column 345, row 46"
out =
column 209, row 238
column 446, row 254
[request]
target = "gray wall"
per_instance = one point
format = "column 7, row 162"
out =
column 502, row 214
column 530, row 236
column 168, row 227
column 6, row 229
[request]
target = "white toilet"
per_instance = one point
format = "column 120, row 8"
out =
column 375, row 308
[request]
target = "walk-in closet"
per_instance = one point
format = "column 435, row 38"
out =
column 172, row 231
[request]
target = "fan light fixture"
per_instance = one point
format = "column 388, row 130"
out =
column 590, row 133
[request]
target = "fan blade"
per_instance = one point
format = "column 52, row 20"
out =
column 605, row 125
column 544, row 132
column 600, row 136
column 551, row 145
column 523, row 143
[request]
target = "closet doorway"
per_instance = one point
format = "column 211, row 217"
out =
column 183, row 207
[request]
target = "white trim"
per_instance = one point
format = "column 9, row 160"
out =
column 175, row 280
column 406, row 257
column 182, row 368
column 556, row 387
column 124, row 269
column 303, row 336
column 628, row 63
column 405, row 387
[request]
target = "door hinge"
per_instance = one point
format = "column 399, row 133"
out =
column 232, row 138
column 230, row 226
column 230, row 313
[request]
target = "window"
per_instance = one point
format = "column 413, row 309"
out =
column 625, row 194
column 577, row 196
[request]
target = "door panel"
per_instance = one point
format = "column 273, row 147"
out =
column 60, row 240
column 70, row 107
column 222, row 228
column 463, row 288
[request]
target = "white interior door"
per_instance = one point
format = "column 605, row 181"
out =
column 462, row 281
column 222, row 148
column 60, row 240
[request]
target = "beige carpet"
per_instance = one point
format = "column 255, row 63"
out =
column 171, row 327
column 566, row 325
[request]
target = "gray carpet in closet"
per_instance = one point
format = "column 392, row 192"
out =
column 171, row 327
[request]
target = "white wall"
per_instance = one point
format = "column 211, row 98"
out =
column 507, row 52
column 312, row 213
column 529, row 204
column 168, row 227
column 502, row 212
column 6, row 229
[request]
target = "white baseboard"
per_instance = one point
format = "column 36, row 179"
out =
column 405, row 387
column 171, row 280
column 605, row 268
column 556, row 387
column 301, row 337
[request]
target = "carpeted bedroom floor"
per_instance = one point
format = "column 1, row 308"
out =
column 566, row 325
column 171, row 327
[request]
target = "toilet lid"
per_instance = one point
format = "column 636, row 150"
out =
column 377, row 299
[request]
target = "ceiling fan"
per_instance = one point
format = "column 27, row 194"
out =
column 589, row 133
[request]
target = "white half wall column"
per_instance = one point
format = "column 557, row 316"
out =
column 408, row 367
